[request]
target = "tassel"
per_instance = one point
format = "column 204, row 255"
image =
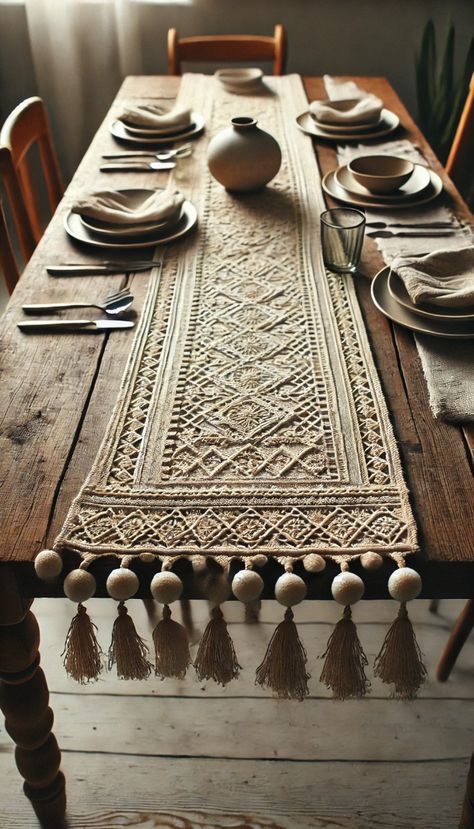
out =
column 400, row 659
column 82, row 653
column 216, row 658
column 343, row 670
column 284, row 665
column 172, row 656
column 127, row 649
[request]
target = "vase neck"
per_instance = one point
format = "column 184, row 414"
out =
column 243, row 123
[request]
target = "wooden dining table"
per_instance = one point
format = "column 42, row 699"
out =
column 56, row 397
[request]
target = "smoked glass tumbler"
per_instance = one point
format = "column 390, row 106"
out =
column 342, row 236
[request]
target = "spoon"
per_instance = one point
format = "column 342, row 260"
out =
column 114, row 304
column 164, row 155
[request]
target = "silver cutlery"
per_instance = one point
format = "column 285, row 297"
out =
column 416, row 232
column 78, row 269
column 130, row 166
column 427, row 225
column 74, row 325
column 162, row 155
column 116, row 303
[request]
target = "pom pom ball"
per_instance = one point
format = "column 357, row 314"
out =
column 122, row 584
column 247, row 585
column 79, row 585
column 371, row 561
column 166, row 587
column 404, row 584
column 48, row 565
column 290, row 590
column 259, row 560
column 347, row 588
column 313, row 563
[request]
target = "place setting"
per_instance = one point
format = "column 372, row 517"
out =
column 153, row 124
column 131, row 218
column 347, row 114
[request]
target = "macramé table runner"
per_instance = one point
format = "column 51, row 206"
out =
column 250, row 424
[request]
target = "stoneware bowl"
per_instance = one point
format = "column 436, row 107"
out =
column 381, row 173
column 240, row 80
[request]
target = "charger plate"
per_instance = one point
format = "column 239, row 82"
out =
column 416, row 184
column 400, row 294
column 332, row 188
column 391, row 308
column 118, row 130
column 389, row 122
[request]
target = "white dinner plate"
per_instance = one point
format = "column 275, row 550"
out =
column 118, row 130
column 77, row 230
column 346, row 129
column 388, row 305
column 388, row 123
column 332, row 188
column 418, row 181
column 401, row 295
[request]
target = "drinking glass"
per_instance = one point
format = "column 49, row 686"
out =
column 342, row 235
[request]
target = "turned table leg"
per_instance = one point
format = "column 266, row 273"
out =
column 24, row 698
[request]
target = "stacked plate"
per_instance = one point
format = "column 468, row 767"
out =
column 391, row 298
column 132, row 235
column 386, row 122
column 422, row 186
column 132, row 134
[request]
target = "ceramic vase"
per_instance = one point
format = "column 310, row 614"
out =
column 243, row 157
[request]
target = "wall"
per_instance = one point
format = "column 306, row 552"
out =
column 373, row 37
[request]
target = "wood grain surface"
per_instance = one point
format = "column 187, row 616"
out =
column 58, row 392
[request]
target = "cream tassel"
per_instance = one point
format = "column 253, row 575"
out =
column 400, row 659
column 127, row 649
column 284, row 665
column 82, row 653
column 172, row 657
column 345, row 661
column 216, row 658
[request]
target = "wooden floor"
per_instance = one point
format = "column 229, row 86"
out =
column 188, row 754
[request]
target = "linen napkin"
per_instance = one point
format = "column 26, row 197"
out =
column 155, row 116
column 444, row 278
column 113, row 207
column 361, row 107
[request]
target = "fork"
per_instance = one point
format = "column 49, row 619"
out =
column 115, row 303
column 163, row 155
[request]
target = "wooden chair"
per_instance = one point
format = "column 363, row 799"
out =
column 13, row 208
column 25, row 127
column 8, row 264
column 223, row 48
column 459, row 165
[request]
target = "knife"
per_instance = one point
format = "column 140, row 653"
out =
column 74, row 325
column 386, row 234
column 96, row 270
column 130, row 166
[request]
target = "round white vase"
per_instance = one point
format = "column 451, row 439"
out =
column 243, row 157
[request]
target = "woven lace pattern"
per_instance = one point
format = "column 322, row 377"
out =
column 250, row 418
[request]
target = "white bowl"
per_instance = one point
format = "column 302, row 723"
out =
column 240, row 80
column 381, row 173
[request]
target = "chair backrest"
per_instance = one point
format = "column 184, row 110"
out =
column 26, row 126
column 13, row 200
column 460, row 163
column 8, row 264
column 223, row 48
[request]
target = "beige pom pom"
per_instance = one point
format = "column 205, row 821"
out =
column 404, row 584
column 259, row 560
column 371, row 561
column 347, row 588
column 48, row 565
column 199, row 563
column 147, row 558
column 290, row 590
column 122, row 584
column 247, row 585
column 313, row 563
column 79, row 585
column 166, row 587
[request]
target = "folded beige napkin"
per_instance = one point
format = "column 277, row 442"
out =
column 114, row 207
column 361, row 107
column 444, row 277
column 152, row 115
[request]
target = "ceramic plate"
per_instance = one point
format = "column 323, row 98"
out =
column 400, row 294
column 385, row 302
column 117, row 128
column 332, row 188
column 76, row 229
column 388, row 123
column 346, row 129
column 418, row 181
